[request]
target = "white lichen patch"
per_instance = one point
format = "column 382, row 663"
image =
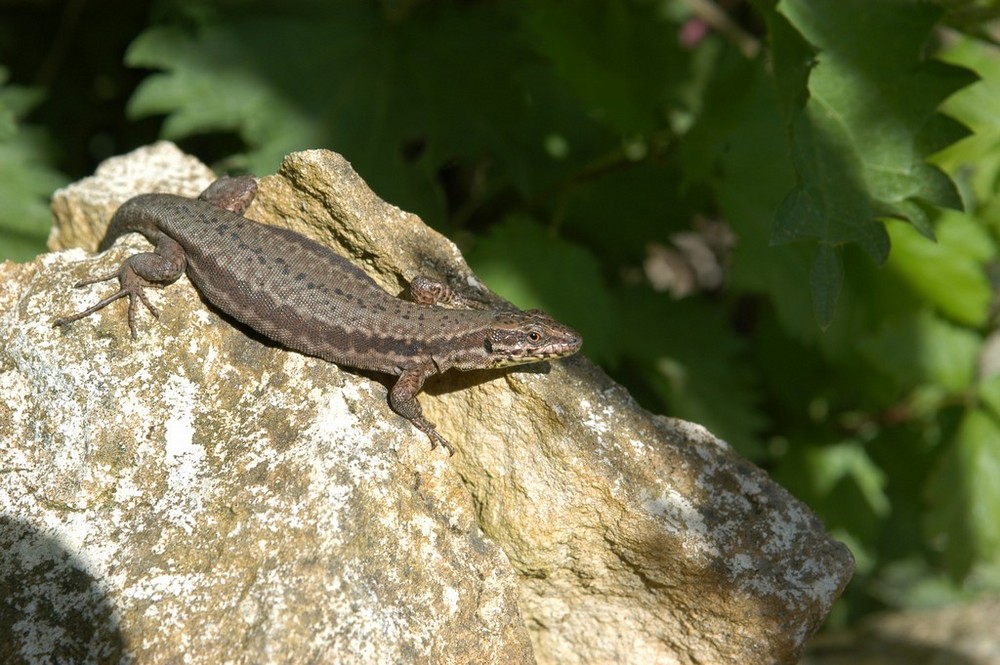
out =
column 681, row 518
column 597, row 420
column 451, row 598
column 188, row 479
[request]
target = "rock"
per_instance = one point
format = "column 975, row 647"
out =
column 200, row 493
column 81, row 211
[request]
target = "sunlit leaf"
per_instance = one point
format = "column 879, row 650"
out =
column 924, row 348
column 950, row 274
column 964, row 494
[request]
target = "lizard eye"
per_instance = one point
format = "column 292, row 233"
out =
column 534, row 337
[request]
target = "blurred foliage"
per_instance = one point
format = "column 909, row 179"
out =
column 779, row 221
column 27, row 179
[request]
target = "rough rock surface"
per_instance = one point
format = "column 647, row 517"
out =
column 200, row 495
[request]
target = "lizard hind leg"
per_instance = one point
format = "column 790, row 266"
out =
column 134, row 275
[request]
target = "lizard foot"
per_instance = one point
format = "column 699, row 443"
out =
column 131, row 285
column 427, row 428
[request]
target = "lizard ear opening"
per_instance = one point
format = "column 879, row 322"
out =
column 488, row 345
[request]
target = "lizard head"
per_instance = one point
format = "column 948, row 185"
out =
column 517, row 338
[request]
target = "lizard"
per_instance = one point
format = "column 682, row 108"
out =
column 303, row 295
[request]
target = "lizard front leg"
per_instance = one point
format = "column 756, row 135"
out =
column 233, row 194
column 427, row 291
column 403, row 400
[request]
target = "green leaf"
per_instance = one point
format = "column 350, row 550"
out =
column 695, row 364
column 923, row 348
column 975, row 157
column 964, row 494
column 211, row 84
column 726, row 102
column 829, row 204
column 27, row 179
column 390, row 95
column 827, row 279
column 988, row 392
column 757, row 174
column 861, row 140
column 621, row 201
column 830, row 465
column 620, row 57
column 951, row 273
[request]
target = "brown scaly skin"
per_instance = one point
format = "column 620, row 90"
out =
column 301, row 294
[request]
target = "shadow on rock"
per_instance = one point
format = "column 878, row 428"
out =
column 51, row 608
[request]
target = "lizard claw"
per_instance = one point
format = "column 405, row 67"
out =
column 427, row 428
column 436, row 439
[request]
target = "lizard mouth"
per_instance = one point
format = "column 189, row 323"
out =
column 566, row 346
